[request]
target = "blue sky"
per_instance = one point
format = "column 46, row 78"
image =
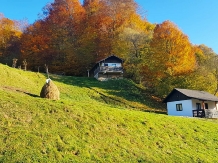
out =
column 196, row 18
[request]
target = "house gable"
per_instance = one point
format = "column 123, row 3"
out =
column 111, row 59
column 175, row 96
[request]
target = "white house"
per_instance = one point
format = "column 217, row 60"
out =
column 191, row 103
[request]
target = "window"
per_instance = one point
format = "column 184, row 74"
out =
column 198, row 106
column 206, row 105
column 106, row 64
column 178, row 107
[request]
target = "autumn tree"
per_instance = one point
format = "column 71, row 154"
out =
column 106, row 18
column 207, row 69
column 56, row 38
column 203, row 77
column 171, row 54
column 35, row 45
column 135, row 36
column 95, row 34
column 63, row 23
column 10, row 33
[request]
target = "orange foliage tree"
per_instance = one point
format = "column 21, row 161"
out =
column 171, row 57
column 63, row 23
column 55, row 39
column 106, row 18
column 170, row 51
column 35, row 45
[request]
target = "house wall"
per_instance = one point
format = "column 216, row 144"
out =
column 211, row 104
column 186, row 105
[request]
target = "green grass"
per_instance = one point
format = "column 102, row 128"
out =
column 88, row 125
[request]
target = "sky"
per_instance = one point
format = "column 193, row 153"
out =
column 198, row 19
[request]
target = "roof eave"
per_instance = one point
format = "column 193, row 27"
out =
column 109, row 57
column 201, row 99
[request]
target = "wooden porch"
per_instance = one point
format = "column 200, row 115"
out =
column 198, row 113
column 207, row 113
column 107, row 69
column 110, row 69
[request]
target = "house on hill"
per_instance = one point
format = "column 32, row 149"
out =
column 191, row 103
column 108, row 68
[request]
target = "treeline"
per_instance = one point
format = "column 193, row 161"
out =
column 70, row 37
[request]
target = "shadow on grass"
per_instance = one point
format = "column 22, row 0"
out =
column 124, row 89
column 20, row 91
column 27, row 93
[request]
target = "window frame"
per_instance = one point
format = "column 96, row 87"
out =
column 179, row 107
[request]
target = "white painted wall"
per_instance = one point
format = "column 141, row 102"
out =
column 211, row 104
column 186, row 105
column 112, row 64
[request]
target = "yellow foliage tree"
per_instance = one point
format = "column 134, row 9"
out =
column 9, row 30
column 171, row 53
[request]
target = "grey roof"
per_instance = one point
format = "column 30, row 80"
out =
column 201, row 95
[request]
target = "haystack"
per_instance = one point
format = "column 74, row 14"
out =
column 50, row 91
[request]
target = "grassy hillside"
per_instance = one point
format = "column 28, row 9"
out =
column 95, row 122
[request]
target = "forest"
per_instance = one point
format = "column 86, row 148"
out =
column 71, row 37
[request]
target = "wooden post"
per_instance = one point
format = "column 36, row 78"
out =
column 88, row 73
column 203, row 111
column 216, row 105
column 203, row 106
column 14, row 62
column 25, row 64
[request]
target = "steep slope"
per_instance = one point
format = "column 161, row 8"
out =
column 85, row 127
